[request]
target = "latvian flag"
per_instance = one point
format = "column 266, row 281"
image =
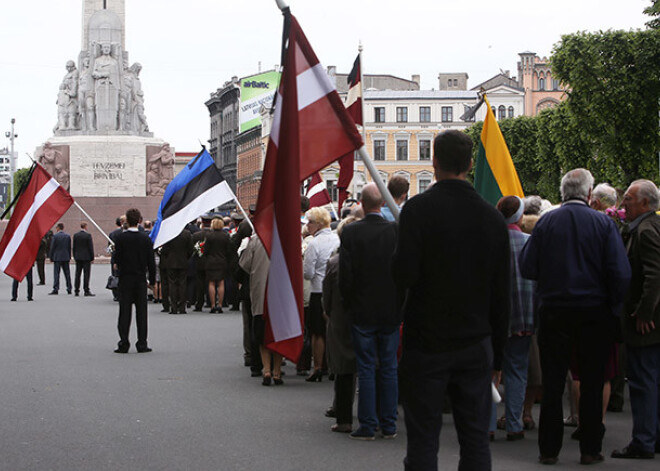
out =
column 494, row 174
column 317, row 192
column 196, row 189
column 310, row 130
column 354, row 107
column 40, row 204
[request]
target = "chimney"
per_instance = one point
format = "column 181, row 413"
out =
column 415, row 78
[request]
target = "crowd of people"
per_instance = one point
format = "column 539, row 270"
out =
column 434, row 311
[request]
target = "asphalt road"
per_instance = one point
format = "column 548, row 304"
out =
column 69, row 403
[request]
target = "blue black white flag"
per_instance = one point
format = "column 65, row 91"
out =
column 198, row 188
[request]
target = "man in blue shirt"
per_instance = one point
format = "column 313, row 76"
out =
column 579, row 262
column 398, row 187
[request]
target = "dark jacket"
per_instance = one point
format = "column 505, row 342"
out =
column 577, row 258
column 453, row 255
column 177, row 251
column 43, row 249
column 83, row 247
column 643, row 298
column 200, row 236
column 368, row 292
column 218, row 252
column 339, row 346
column 134, row 256
column 60, row 247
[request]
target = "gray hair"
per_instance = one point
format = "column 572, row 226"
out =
column 648, row 190
column 605, row 193
column 576, row 184
column 532, row 204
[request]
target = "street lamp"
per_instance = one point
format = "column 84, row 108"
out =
column 12, row 162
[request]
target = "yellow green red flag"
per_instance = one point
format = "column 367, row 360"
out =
column 494, row 174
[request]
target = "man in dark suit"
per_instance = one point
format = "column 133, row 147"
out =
column 120, row 221
column 134, row 258
column 42, row 253
column 369, row 297
column 576, row 256
column 641, row 319
column 453, row 258
column 60, row 255
column 201, row 285
column 177, row 253
column 83, row 254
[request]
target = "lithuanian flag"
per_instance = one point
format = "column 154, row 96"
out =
column 494, row 174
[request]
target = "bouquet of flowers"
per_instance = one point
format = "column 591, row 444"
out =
column 618, row 215
column 199, row 247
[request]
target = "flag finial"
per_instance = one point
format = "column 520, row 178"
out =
column 281, row 4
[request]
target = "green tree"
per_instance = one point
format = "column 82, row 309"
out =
column 20, row 178
column 654, row 12
column 614, row 87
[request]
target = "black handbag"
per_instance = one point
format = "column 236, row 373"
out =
column 113, row 282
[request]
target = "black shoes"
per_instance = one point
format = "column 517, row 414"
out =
column 330, row 412
column 266, row 381
column 548, row 460
column 13, row 299
column 143, row 349
column 515, row 436
column 68, row 291
column 216, row 310
column 317, row 375
column 278, row 381
column 53, row 293
column 632, row 452
column 121, row 350
column 89, row 294
column 591, row 459
column 77, row 293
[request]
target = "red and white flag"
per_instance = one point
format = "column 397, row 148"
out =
column 317, row 192
column 354, row 108
column 310, row 130
column 42, row 202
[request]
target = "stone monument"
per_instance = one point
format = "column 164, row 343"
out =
column 102, row 151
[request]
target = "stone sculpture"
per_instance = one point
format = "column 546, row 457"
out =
column 86, row 96
column 106, row 87
column 67, row 99
column 160, row 171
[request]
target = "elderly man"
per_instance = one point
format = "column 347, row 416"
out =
column 453, row 258
column 578, row 260
column 602, row 197
column 641, row 319
column 369, row 297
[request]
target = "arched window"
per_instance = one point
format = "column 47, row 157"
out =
column 555, row 84
column 501, row 112
column 494, row 111
column 510, row 112
column 541, row 83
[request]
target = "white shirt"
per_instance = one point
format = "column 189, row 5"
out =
column 316, row 257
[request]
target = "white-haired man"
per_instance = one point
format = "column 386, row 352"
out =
column 579, row 262
column 641, row 318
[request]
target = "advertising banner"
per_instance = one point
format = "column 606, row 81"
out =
column 256, row 90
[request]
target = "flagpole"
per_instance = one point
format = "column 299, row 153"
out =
column 389, row 201
column 281, row 5
column 93, row 222
column 243, row 211
column 362, row 100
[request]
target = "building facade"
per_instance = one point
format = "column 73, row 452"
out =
column 542, row 90
column 250, row 149
column 223, row 108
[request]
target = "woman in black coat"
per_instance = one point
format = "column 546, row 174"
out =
column 217, row 255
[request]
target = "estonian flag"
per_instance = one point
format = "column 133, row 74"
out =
column 198, row 188
column 495, row 175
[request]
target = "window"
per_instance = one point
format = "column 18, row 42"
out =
column 501, row 112
column 424, row 114
column 541, row 83
column 510, row 112
column 379, row 150
column 424, row 149
column 401, row 150
column 331, row 186
column 401, row 114
column 494, row 111
column 423, row 184
column 379, row 114
column 447, row 114
column 555, row 84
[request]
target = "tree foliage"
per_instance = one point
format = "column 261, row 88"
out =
column 20, row 178
column 614, row 87
column 654, row 12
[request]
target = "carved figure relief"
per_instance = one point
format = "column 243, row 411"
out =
column 67, row 99
column 55, row 159
column 160, row 170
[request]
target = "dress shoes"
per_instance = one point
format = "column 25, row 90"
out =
column 89, row 294
column 41, row 284
column 68, row 291
column 77, row 293
column 30, row 299
column 591, row 459
column 13, row 299
column 144, row 350
column 122, row 350
column 362, row 434
column 548, row 460
column 53, row 293
column 330, row 412
column 634, row 453
column 342, row 428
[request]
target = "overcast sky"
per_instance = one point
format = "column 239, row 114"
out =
column 189, row 48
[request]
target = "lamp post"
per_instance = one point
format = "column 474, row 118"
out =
column 12, row 163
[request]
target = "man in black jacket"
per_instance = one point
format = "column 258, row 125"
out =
column 177, row 253
column 60, row 255
column 83, row 254
column 134, row 257
column 453, row 258
column 369, row 298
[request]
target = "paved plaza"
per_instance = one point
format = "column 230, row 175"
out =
column 69, row 403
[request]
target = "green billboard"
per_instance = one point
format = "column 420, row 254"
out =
column 256, row 90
